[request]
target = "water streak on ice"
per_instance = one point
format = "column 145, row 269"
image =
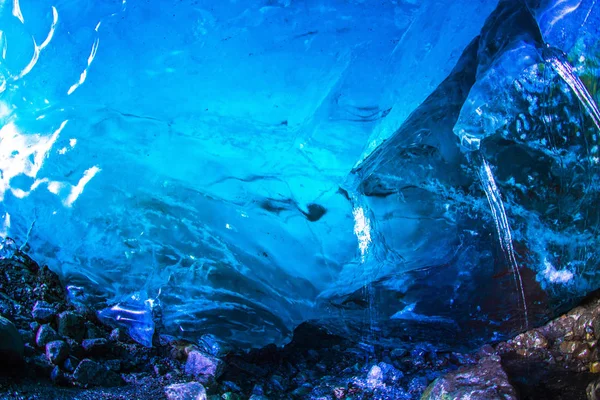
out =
column 17, row 11
column 362, row 230
column 89, row 63
column 504, row 233
column 559, row 63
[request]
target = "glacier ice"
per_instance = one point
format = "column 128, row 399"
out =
column 404, row 171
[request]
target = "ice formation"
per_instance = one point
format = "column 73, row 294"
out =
column 396, row 171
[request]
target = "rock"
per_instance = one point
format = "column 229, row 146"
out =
column 375, row 377
column 203, row 366
column 11, row 344
column 70, row 364
column 93, row 332
column 42, row 312
column 90, row 373
column 58, row 377
column 114, row 365
column 72, row 325
column 95, row 346
column 57, row 351
column 485, row 381
column 593, row 390
column 45, row 334
column 185, row 391
column 119, row 335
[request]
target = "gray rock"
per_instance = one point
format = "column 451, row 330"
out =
column 57, row 351
column 95, row 346
column 43, row 312
column 11, row 344
column 70, row 364
column 484, row 381
column 203, row 366
column 185, row 391
column 45, row 334
column 114, row 365
column 90, row 373
column 72, row 325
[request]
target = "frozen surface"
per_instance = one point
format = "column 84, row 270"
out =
column 243, row 166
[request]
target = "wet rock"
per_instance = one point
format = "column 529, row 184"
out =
column 93, row 332
column 375, row 377
column 593, row 390
column 72, row 325
column 43, row 312
column 119, row 335
column 90, row 373
column 45, row 334
column 11, row 344
column 57, row 351
column 185, row 391
column 114, row 365
column 58, row 377
column 485, row 381
column 70, row 364
column 95, row 346
column 204, row 366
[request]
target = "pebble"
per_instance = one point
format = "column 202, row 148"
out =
column 42, row 312
column 203, row 365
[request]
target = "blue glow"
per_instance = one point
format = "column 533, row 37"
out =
column 249, row 165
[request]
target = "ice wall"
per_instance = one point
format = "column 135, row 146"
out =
column 199, row 156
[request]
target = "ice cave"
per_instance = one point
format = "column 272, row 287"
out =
column 401, row 173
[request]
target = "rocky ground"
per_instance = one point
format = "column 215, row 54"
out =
column 51, row 349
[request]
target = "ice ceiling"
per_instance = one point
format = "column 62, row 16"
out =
column 400, row 171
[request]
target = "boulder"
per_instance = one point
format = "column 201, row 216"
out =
column 11, row 344
column 203, row 366
column 57, row 351
column 72, row 325
column 185, row 391
column 42, row 312
column 91, row 373
column 484, row 381
column 45, row 335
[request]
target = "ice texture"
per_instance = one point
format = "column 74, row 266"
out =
column 396, row 171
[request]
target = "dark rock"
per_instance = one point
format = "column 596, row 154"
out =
column 75, row 348
column 114, row 365
column 119, row 335
column 57, row 351
column 11, row 344
column 72, row 325
column 27, row 336
column 95, row 346
column 485, row 381
column 40, row 364
column 593, row 390
column 203, row 366
column 70, row 364
column 43, row 312
column 58, row 377
column 45, row 334
column 90, row 373
column 93, row 331
column 185, row 391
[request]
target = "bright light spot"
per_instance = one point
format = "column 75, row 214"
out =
column 22, row 154
column 555, row 276
column 72, row 142
column 17, row 11
column 5, row 226
column 77, row 190
column 362, row 230
column 227, row 226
